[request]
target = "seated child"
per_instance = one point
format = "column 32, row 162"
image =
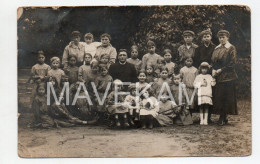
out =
column 149, row 108
column 116, row 107
column 166, row 112
column 40, row 108
column 132, row 103
column 142, row 80
column 55, row 71
column 134, row 58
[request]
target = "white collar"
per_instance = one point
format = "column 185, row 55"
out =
column 227, row 45
column 122, row 63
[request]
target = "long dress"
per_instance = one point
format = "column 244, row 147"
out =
column 224, row 95
column 166, row 113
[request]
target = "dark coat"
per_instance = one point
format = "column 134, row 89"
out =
column 124, row 72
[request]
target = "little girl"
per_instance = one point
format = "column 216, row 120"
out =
column 169, row 64
column 142, row 80
column 101, row 83
column 90, row 45
column 55, row 71
column 183, row 116
column 150, row 74
column 159, row 82
column 160, row 63
column 104, row 60
column 132, row 103
column 189, row 73
column 166, row 111
column 40, row 108
column 134, row 58
column 85, row 69
column 72, row 70
column 149, row 108
column 204, row 83
column 39, row 73
column 117, row 108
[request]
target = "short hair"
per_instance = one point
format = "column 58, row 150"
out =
column 164, row 68
column 142, row 71
column 87, row 54
column 42, row 84
column 150, row 43
column 40, row 52
column 104, row 55
column 105, row 35
column 134, row 47
column 55, row 58
column 167, row 51
column 102, row 67
column 72, row 56
column 94, row 63
column 89, row 35
column 122, row 50
column 150, row 65
column 75, row 33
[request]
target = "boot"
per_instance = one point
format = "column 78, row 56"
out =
column 150, row 122
column 118, row 123
column 143, row 122
column 126, row 124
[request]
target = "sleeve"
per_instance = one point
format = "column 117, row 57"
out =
column 213, row 81
column 197, row 82
column 96, row 44
column 80, row 75
column 113, row 55
column 144, row 62
column 65, row 57
column 134, row 73
column 231, row 60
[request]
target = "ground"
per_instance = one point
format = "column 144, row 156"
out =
column 100, row 141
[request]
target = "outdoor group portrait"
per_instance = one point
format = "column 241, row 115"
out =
column 134, row 81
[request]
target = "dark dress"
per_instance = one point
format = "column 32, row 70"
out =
column 224, row 95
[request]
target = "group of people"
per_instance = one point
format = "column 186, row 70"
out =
column 205, row 73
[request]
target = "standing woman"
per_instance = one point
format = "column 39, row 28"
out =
column 223, row 62
column 75, row 48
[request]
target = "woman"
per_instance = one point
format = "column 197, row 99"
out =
column 223, row 62
column 106, row 48
column 76, row 48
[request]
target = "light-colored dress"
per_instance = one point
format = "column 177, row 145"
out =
column 150, row 59
column 83, row 72
column 136, row 62
column 149, row 106
column 204, row 92
column 56, row 73
column 91, row 48
column 170, row 67
column 188, row 76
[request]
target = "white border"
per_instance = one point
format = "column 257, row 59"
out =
column 8, row 83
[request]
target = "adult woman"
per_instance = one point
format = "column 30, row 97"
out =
column 106, row 48
column 76, row 48
column 223, row 62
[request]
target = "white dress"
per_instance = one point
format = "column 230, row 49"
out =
column 204, row 92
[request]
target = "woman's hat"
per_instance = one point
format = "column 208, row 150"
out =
column 223, row 33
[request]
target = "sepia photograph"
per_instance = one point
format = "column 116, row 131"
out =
column 134, row 81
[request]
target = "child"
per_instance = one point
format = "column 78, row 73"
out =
column 169, row 64
column 40, row 108
column 189, row 73
column 204, row 83
column 142, row 80
column 101, row 83
column 166, row 112
column 150, row 74
column 183, row 116
column 104, row 60
column 187, row 50
column 160, row 81
column 85, row 69
column 151, row 57
column 134, row 58
column 72, row 70
column 117, row 108
column 59, row 112
column 160, row 63
column 39, row 72
column 132, row 103
column 90, row 45
column 55, row 71
column 149, row 108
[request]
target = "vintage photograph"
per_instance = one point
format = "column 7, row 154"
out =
column 134, row 81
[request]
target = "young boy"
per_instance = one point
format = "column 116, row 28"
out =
column 188, row 48
column 151, row 57
column 169, row 64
